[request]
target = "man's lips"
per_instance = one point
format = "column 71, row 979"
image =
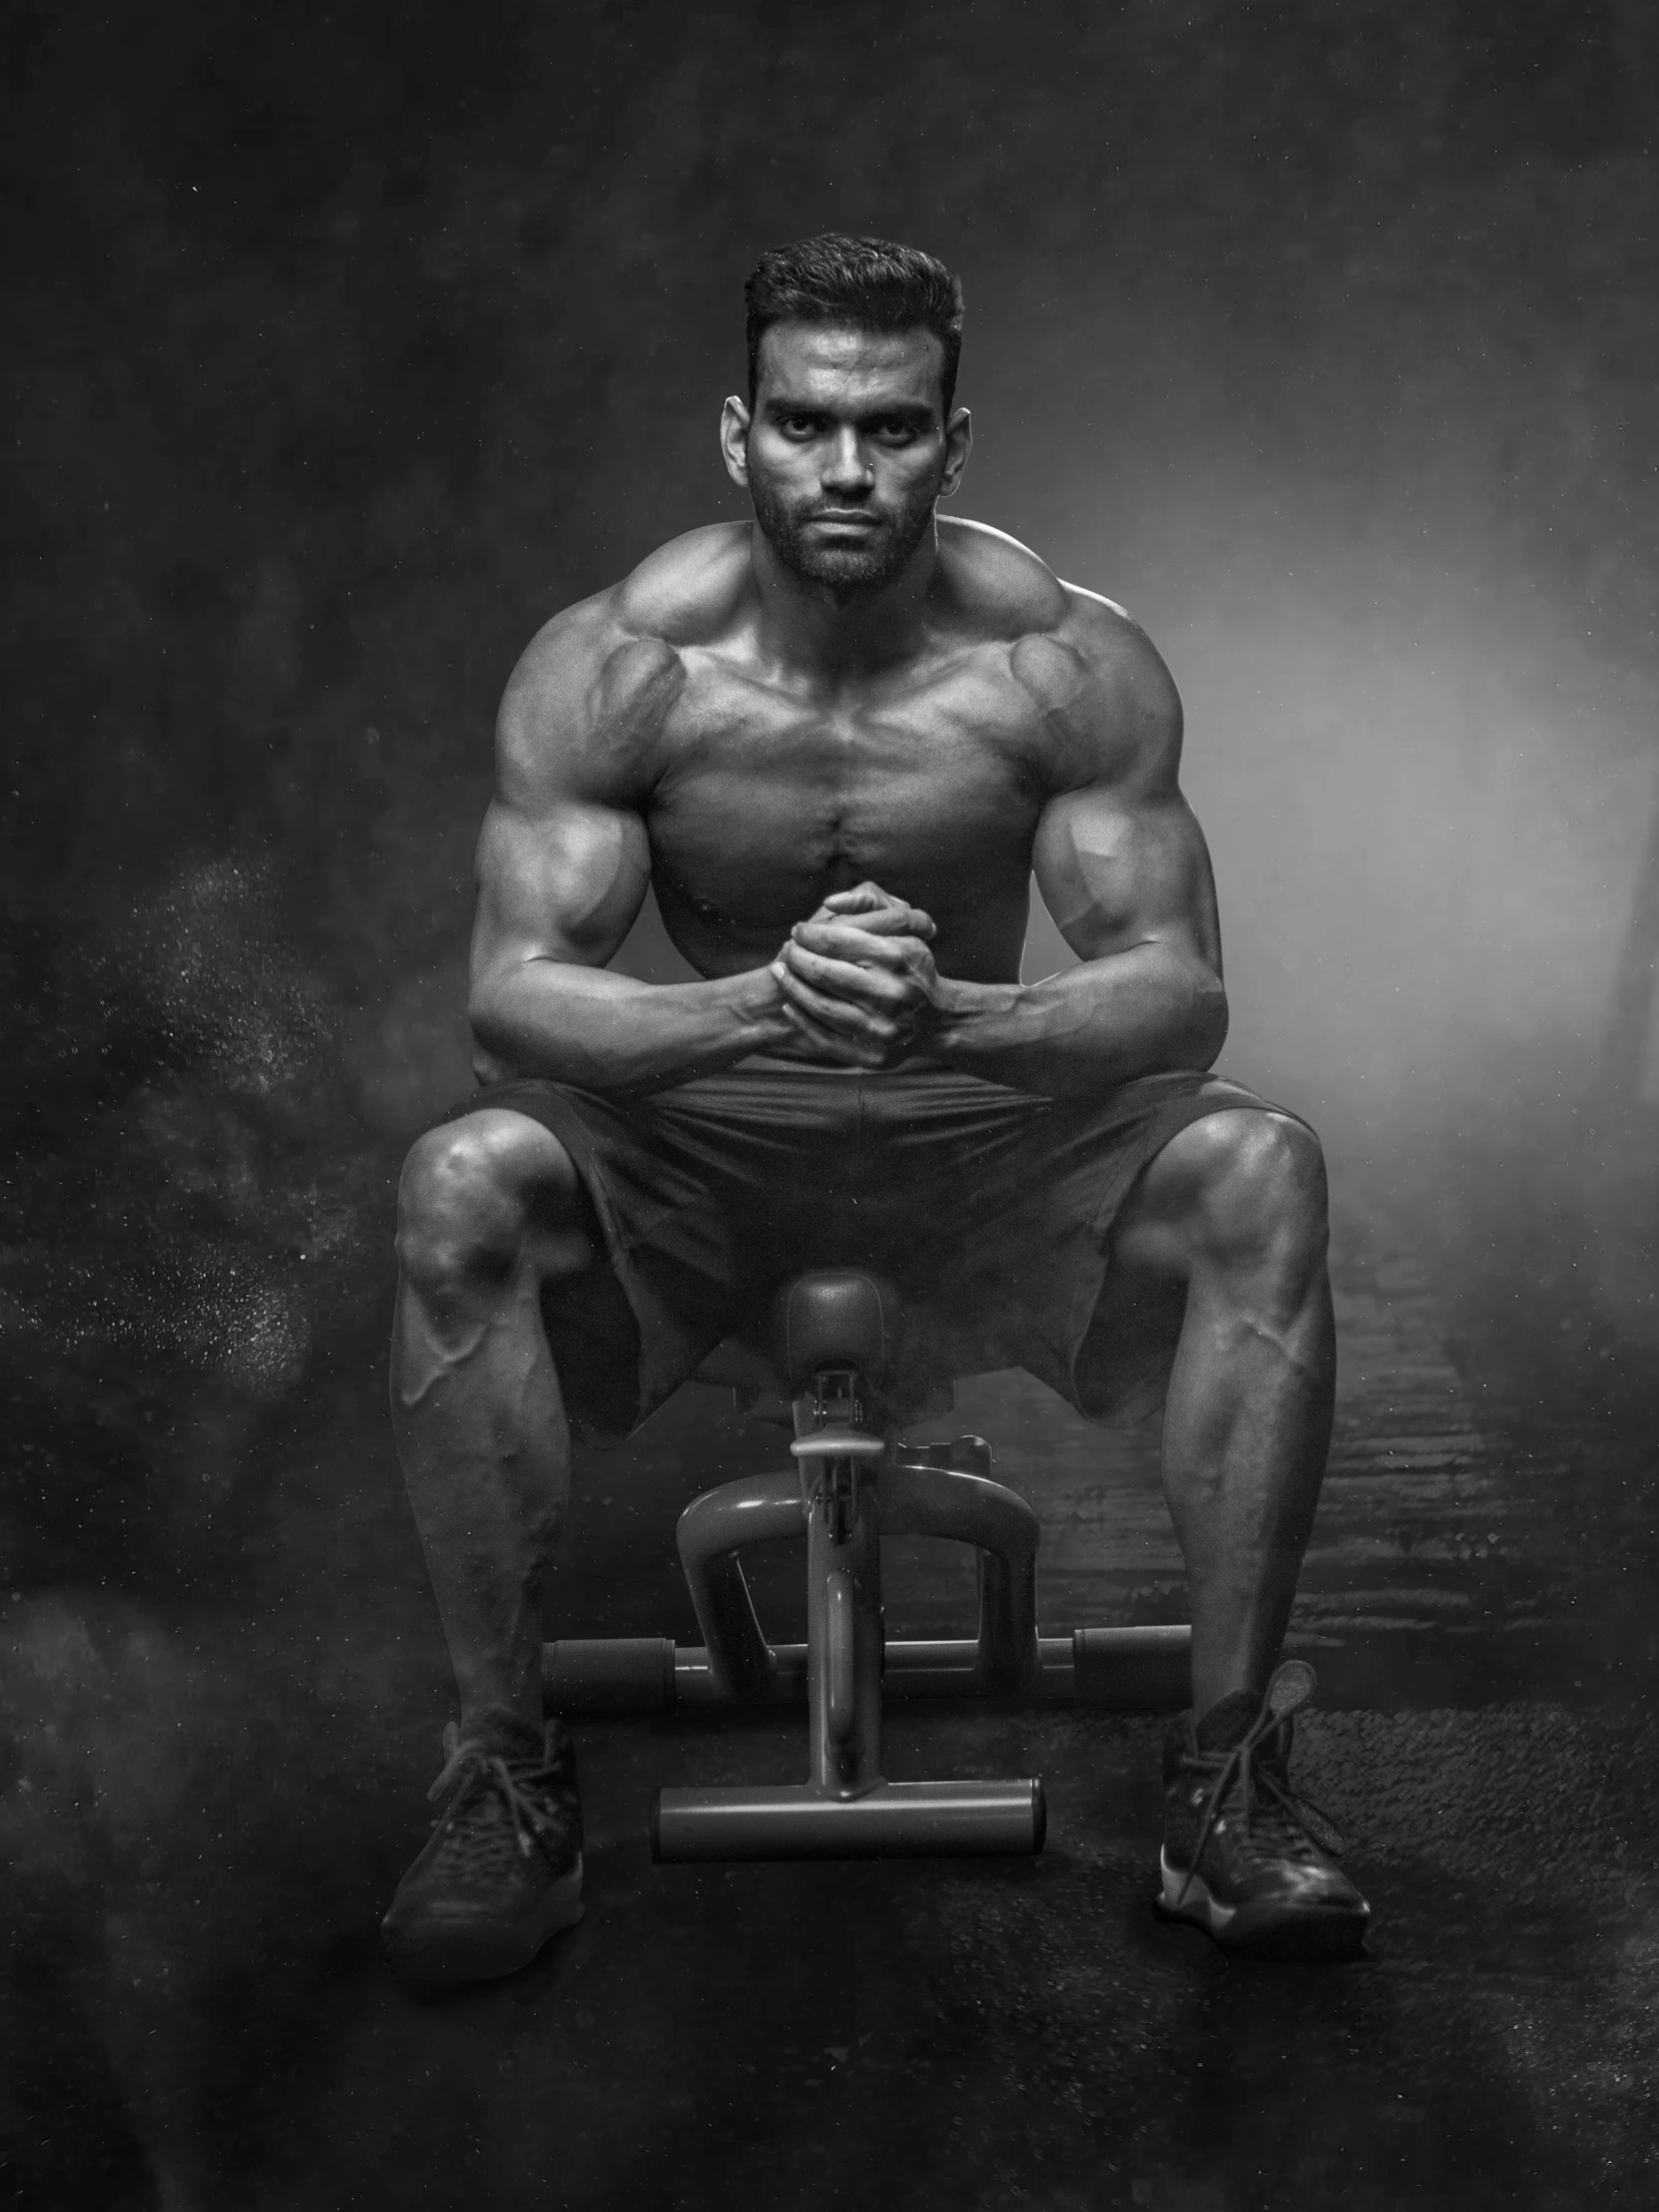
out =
column 847, row 517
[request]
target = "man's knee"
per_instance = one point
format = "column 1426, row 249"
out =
column 1256, row 1189
column 472, row 1191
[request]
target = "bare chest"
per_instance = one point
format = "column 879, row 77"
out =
column 768, row 801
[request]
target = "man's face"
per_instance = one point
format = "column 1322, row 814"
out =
column 847, row 449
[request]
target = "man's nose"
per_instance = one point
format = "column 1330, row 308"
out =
column 848, row 466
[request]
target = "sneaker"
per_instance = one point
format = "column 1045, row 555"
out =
column 1244, row 1856
column 503, row 1868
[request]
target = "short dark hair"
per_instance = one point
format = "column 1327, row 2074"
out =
column 869, row 282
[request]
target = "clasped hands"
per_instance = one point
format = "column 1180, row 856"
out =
column 858, row 978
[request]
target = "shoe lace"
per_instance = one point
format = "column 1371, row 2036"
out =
column 1275, row 1815
column 470, row 1772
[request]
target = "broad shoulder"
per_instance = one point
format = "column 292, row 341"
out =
column 1097, row 666
column 690, row 590
column 999, row 589
column 1094, row 676
column 592, row 687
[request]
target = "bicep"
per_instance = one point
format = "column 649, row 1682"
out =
column 1119, row 870
column 564, row 860
column 563, row 882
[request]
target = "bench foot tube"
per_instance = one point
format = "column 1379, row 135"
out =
column 1133, row 1670
column 895, row 1820
column 1127, row 1670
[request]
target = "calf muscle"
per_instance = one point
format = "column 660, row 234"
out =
column 486, row 1219
column 1234, row 1207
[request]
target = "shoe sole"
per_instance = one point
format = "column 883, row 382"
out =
column 447, row 1958
column 1302, row 1937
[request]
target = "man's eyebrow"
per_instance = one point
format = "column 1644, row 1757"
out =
column 912, row 413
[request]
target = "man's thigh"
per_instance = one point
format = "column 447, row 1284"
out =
column 693, row 1196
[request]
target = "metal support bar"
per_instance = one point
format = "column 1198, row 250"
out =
column 1122, row 1669
column 920, row 1499
column 916, row 1497
column 840, row 1658
column 896, row 1820
column 843, row 1631
column 838, row 1443
column 711, row 1531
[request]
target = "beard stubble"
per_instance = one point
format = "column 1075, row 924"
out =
column 850, row 569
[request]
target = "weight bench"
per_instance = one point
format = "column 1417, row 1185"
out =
column 837, row 1357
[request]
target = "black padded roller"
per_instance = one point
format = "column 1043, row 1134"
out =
column 836, row 1318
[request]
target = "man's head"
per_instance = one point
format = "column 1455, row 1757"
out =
column 849, row 434
column 864, row 284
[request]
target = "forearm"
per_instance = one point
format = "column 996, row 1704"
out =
column 609, row 1032
column 1088, row 1030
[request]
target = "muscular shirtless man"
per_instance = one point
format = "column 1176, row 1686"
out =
column 838, row 743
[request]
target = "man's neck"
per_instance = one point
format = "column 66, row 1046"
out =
column 834, row 634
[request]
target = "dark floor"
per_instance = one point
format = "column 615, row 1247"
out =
column 212, row 1808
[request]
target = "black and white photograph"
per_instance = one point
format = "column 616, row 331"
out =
column 830, row 1208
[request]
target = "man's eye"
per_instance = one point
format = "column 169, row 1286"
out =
column 801, row 425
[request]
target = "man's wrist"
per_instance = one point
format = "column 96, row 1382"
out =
column 758, row 1008
column 964, row 1013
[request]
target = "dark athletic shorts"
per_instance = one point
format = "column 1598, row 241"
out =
column 989, row 1208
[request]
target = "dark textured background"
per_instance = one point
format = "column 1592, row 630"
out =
column 343, row 346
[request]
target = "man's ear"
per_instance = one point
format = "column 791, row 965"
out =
column 959, row 443
column 733, row 441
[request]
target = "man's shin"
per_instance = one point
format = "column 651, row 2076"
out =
column 483, row 1443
